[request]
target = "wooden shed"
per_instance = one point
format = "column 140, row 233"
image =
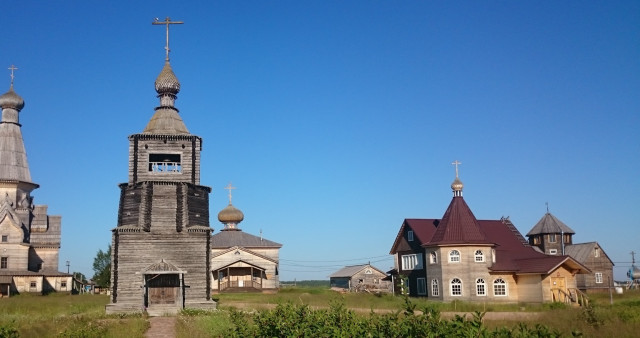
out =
column 360, row 278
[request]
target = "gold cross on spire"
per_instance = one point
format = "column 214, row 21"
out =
column 456, row 163
column 167, row 22
column 230, row 187
column 12, row 68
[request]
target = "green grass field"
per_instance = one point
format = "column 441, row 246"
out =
column 63, row 315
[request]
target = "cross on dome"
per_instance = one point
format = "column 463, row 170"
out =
column 230, row 187
column 167, row 22
column 12, row 68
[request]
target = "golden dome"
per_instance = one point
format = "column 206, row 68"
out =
column 457, row 185
column 230, row 214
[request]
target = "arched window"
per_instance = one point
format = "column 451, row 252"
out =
column 481, row 287
column 454, row 256
column 479, row 255
column 499, row 287
column 435, row 292
column 433, row 257
column 456, row 287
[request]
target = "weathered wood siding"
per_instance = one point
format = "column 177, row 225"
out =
column 143, row 145
column 136, row 251
column 271, row 278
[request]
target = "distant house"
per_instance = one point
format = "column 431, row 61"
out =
column 553, row 237
column 459, row 257
column 363, row 277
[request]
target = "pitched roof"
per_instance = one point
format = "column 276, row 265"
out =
column 13, row 156
column 230, row 238
column 423, row 230
column 582, row 251
column 549, row 224
column 351, row 270
column 458, row 226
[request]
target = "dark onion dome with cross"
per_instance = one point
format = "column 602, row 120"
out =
column 230, row 216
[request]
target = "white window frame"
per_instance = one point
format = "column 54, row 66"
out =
column 481, row 287
column 456, row 287
column 596, row 252
column 410, row 235
column 553, row 251
column 421, row 286
column 412, row 262
column 500, row 283
column 552, row 239
column 435, row 290
column 479, row 256
column 454, row 256
column 599, row 277
column 433, row 257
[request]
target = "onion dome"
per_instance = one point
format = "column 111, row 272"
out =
column 457, row 186
column 11, row 100
column 230, row 215
column 167, row 82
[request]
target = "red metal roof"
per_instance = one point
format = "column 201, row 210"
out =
column 458, row 226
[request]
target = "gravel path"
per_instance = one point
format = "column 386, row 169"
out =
column 161, row 327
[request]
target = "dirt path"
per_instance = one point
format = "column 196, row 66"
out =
column 161, row 327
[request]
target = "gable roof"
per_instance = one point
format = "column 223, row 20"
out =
column 582, row 251
column 231, row 238
column 244, row 250
column 350, row 270
column 423, row 230
column 458, row 226
column 549, row 224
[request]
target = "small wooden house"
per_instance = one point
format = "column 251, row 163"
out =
column 553, row 237
column 359, row 278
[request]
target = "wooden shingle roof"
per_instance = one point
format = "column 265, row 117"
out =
column 230, row 238
column 350, row 270
column 549, row 224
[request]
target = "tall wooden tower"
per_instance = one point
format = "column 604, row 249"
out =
column 161, row 246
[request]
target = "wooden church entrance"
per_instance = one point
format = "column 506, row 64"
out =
column 162, row 289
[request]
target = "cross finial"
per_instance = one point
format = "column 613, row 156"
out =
column 456, row 163
column 230, row 187
column 166, row 22
column 12, row 68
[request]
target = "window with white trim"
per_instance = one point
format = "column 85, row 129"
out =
column 433, row 257
column 435, row 291
column 499, row 287
column 596, row 252
column 422, row 286
column 456, row 287
column 553, row 251
column 412, row 262
column 552, row 238
column 410, row 235
column 598, row 277
column 454, row 256
column 481, row 287
column 479, row 256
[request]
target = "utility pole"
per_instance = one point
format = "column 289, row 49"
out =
column 68, row 267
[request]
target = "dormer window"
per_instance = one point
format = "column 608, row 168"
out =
column 410, row 236
column 165, row 163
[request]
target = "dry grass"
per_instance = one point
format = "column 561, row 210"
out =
column 65, row 315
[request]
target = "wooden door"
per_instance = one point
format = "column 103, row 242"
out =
column 163, row 289
column 162, row 295
column 558, row 288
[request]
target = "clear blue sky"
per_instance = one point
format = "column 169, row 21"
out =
column 336, row 120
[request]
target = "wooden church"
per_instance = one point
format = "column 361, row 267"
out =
column 161, row 245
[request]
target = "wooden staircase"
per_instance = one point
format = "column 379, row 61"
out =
column 572, row 296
